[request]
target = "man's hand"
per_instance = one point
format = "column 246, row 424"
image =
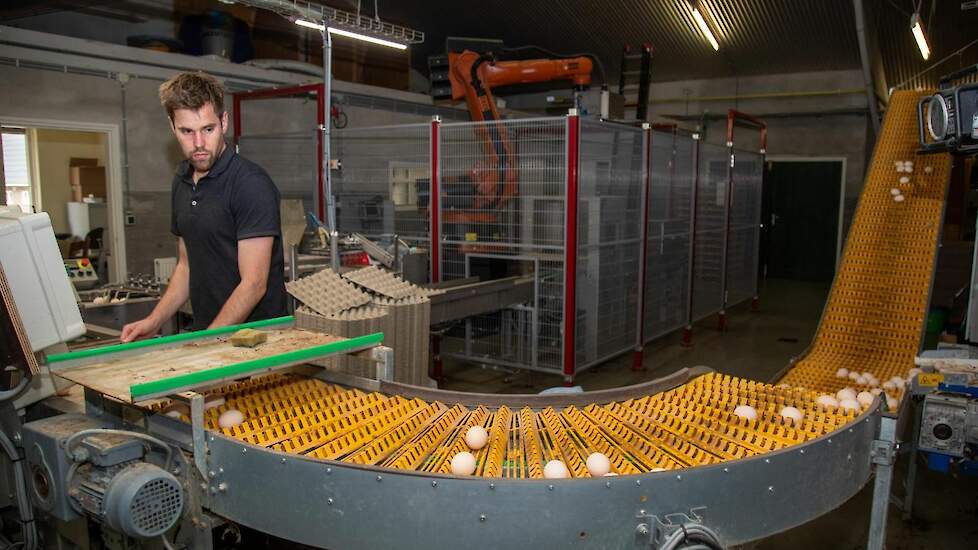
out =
column 140, row 329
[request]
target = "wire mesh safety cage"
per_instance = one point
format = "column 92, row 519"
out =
column 710, row 230
column 502, row 212
column 290, row 159
column 669, row 233
column 383, row 180
column 609, row 240
column 743, row 240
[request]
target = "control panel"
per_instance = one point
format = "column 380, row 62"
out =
column 81, row 273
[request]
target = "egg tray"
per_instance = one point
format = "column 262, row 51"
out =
column 875, row 314
column 386, row 283
column 326, row 293
column 691, row 425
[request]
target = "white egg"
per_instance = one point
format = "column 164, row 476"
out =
column 874, row 383
column 897, row 381
column 889, row 385
column 862, row 380
column 928, row 169
column 904, row 179
column 875, row 391
column 865, row 398
column 463, row 464
column 913, row 372
column 853, row 375
column 894, row 191
column 908, row 166
column 598, row 464
column 555, row 469
column 230, row 418
column 827, row 401
column 792, row 413
column 849, row 405
column 845, row 393
column 746, row 411
column 653, row 470
column 610, row 474
column 842, row 373
column 898, row 198
column 476, row 437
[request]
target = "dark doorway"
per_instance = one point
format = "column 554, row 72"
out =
column 800, row 213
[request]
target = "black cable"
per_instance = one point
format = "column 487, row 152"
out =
column 594, row 57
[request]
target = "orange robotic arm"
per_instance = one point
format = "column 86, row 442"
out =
column 472, row 76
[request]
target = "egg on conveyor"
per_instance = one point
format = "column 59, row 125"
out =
column 875, row 391
column 230, row 418
column 865, row 398
column 849, row 405
column 904, row 179
column 899, row 198
column 853, row 375
column 654, row 470
column 889, row 385
column 827, row 401
column 845, row 393
column 913, row 372
column 842, row 373
column 555, row 469
column 746, row 411
column 598, row 464
column 476, row 437
column 862, row 380
column 928, row 169
column 792, row 413
column 894, row 191
column 463, row 464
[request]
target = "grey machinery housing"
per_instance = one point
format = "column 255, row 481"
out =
column 948, row 120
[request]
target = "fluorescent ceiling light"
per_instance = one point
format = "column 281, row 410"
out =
column 333, row 30
column 918, row 33
column 705, row 29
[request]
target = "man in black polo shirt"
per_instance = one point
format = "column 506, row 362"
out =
column 225, row 216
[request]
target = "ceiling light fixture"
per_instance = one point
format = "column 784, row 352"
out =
column 704, row 28
column 918, row 33
column 333, row 30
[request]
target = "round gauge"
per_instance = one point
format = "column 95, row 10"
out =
column 937, row 117
column 943, row 432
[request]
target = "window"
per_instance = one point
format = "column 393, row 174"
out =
column 16, row 169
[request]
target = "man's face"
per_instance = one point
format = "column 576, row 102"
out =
column 201, row 135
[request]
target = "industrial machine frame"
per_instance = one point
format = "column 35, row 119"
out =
column 567, row 191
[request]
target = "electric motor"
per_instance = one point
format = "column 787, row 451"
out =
column 139, row 499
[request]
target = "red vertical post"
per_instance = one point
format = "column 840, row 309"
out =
column 688, row 330
column 637, row 356
column 236, row 117
column 573, row 136
column 434, row 227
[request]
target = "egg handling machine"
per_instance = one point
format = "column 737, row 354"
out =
column 121, row 468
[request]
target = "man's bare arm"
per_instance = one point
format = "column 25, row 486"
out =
column 254, row 259
column 177, row 292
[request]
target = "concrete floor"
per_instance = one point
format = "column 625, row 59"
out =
column 758, row 345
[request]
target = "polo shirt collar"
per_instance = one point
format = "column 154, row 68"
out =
column 185, row 171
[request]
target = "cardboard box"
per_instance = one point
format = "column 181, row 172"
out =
column 87, row 180
column 79, row 161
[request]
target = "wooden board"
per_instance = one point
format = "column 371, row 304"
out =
column 115, row 377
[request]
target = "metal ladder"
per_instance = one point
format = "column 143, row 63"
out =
column 636, row 79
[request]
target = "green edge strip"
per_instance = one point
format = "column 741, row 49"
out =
column 182, row 337
column 158, row 387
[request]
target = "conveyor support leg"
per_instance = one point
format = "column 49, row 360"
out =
column 884, row 457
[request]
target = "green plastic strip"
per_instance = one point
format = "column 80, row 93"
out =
column 175, row 383
column 160, row 340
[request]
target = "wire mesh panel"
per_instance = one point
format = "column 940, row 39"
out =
column 668, row 254
column 711, row 201
column 745, row 218
column 502, row 203
column 291, row 160
column 383, row 183
column 609, row 240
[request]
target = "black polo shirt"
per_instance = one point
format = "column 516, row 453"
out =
column 236, row 200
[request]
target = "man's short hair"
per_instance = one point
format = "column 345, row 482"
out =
column 191, row 90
